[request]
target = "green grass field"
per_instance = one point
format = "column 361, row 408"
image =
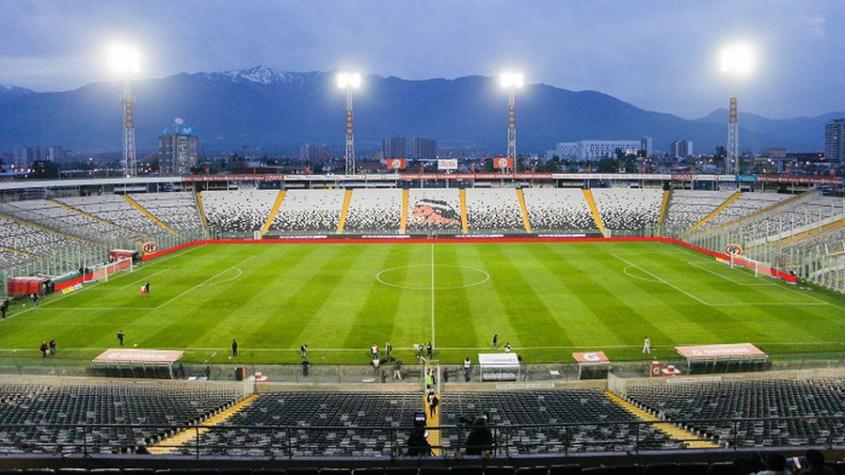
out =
column 546, row 299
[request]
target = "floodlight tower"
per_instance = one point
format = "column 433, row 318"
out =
column 736, row 62
column 512, row 81
column 349, row 82
column 125, row 62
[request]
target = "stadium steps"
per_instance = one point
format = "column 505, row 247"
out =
column 39, row 227
column 664, row 210
column 715, row 212
column 591, row 202
column 201, row 210
column 433, row 420
column 789, row 202
column 171, row 445
column 403, row 222
column 671, row 430
column 811, row 233
column 78, row 211
column 523, row 210
column 12, row 250
column 149, row 215
column 274, row 211
column 464, row 219
column 344, row 211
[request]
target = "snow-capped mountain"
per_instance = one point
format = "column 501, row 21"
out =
column 262, row 75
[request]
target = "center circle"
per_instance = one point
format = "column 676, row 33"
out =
column 445, row 277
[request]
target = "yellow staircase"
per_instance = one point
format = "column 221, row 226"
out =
column 769, row 209
column 39, row 227
column 403, row 222
column 716, row 211
column 12, row 250
column 664, row 210
column 274, row 211
column 464, row 215
column 201, row 210
column 344, row 211
column 523, row 210
column 810, row 233
column 149, row 215
column 188, row 436
column 78, row 211
column 671, row 430
column 433, row 420
column 591, row 202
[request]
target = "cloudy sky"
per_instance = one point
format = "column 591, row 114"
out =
column 660, row 55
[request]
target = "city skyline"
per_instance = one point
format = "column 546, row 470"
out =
column 618, row 49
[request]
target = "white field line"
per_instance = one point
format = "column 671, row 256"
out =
column 201, row 283
column 214, row 350
column 818, row 300
column 432, row 295
column 94, row 285
column 661, row 280
column 717, row 274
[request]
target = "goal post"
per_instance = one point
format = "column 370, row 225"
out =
column 104, row 271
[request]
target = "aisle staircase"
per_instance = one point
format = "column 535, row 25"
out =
column 138, row 207
column 274, row 211
column 591, row 202
column 188, row 436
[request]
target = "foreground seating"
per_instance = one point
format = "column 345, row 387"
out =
column 707, row 406
column 39, row 408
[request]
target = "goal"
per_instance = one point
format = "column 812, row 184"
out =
column 759, row 268
column 104, row 271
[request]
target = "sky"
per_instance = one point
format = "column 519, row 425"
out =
column 658, row 55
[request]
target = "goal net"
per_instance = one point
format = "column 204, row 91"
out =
column 104, row 271
column 759, row 268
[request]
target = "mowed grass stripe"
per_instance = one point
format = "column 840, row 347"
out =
column 520, row 301
column 486, row 310
column 613, row 304
column 575, row 298
column 452, row 305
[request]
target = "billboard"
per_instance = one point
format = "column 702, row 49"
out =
column 447, row 164
column 715, row 352
column 396, row 163
column 591, row 357
column 501, row 163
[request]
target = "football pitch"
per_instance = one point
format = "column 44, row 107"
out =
column 546, row 299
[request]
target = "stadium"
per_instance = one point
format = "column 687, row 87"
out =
column 636, row 323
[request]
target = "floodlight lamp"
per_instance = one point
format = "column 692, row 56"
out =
column 349, row 80
column 124, row 59
column 512, row 80
column 737, row 60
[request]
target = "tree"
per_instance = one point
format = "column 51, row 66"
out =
column 607, row 165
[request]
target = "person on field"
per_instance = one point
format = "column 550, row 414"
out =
column 35, row 299
column 52, row 346
column 234, row 347
column 429, row 349
column 397, row 371
column 4, row 307
column 303, row 351
column 143, row 290
column 147, row 288
column 373, row 351
column 43, row 348
column 467, row 368
column 387, row 349
column 120, row 337
column 495, row 341
column 647, row 346
column 508, row 347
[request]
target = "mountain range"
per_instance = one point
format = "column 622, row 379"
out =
column 264, row 108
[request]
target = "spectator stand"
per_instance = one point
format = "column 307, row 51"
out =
column 592, row 364
column 155, row 363
column 499, row 366
column 726, row 357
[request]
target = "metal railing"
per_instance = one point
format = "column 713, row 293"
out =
column 282, row 441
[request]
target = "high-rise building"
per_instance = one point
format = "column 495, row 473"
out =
column 314, row 153
column 393, row 147
column 680, row 149
column 55, row 154
column 834, row 140
column 425, row 149
column 25, row 156
column 177, row 151
column 647, row 145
